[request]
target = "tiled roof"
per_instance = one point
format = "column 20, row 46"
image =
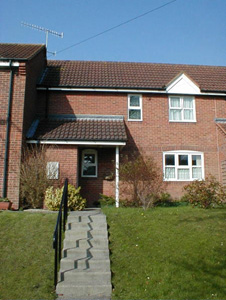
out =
column 81, row 129
column 94, row 74
column 19, row 51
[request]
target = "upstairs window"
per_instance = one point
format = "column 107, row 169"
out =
column 134, row 108
column 89, row 163
column 182, row 109
column 183, row 166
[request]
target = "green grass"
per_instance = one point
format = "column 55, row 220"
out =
column 26, row 255
column 168, row 253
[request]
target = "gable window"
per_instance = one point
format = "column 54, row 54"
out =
column 52, row 170
column 183, row 166
column 89, row 163
column 182, row 109
column 134, row 107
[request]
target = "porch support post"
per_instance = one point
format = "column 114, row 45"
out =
column 117, row 176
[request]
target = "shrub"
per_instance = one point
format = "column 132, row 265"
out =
column 106, row 200
column 163, row 199
column 205, row 193
column 53, row 198
column 142, row 179
column 33, row 179
column 4, row 200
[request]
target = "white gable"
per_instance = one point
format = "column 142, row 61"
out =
column 182, row 85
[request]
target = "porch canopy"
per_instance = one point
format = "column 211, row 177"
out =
column 90, row 130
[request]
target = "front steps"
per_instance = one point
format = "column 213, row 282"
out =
column 85, row 264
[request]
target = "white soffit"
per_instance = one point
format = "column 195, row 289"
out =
column 182, row 85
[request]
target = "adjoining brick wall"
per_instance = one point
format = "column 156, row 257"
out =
column 34, row 69
column 16, row 128
column 22, row 114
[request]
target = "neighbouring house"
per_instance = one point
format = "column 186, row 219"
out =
column 89, row 113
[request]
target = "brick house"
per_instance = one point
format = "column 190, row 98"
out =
column 89, row 113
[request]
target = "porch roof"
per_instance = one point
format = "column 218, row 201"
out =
column 80, row 128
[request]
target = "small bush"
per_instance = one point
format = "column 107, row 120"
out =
column 106, row 200
column 205, row 193
column 129, row 203
column 53, row 198
column 4, row 200
column 164, row 199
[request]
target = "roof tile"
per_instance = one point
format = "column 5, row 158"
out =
column 81, row 129
column 19, row 51
column 94, row 74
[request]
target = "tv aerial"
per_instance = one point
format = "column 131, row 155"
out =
column 47, row 32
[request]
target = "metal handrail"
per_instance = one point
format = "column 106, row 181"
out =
column 57, row 235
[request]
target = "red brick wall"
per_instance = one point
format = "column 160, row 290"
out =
column 67, row 156
column 155, row 134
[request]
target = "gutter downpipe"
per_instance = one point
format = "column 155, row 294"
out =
column 6, row 158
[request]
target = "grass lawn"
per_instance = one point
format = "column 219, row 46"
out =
column 26, row 255
column 168, row 253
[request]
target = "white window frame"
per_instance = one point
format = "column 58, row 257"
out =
column 139, row 108
column 177, row 166
column 52, row 170
column 181, row 108
column 89, row 151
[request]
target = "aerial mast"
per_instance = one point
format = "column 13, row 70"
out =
column 47, row 32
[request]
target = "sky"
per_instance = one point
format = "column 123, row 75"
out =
column 182, row 31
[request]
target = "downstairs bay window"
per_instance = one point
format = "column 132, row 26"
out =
column 183, row 165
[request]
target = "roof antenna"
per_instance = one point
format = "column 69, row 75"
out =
column 47, row 32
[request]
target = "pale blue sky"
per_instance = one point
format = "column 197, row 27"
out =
column 186, row 31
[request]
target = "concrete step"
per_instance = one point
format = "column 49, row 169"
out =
column 84, row 264
column 88, row 277
column 98, row 243
column 87, row 226
column 81, row 234
column 69, row 291
column 86, row 219
column 94, row 254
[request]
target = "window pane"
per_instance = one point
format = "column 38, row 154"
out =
column 196, row 173
column 188, row 102
column 175, row 102
column 196, row 160
column 183, row 174
column 169, row 160
column 170, row 173
column 183, row 160
column 134, row 100
column 188, row 114
column 89, row 170
column 175, row 114
column 89, row 158
column 134, row 114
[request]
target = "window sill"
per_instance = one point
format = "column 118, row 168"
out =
column 172, row 121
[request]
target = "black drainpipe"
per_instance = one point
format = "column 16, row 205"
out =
column 6, row 158
column 47, row 103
